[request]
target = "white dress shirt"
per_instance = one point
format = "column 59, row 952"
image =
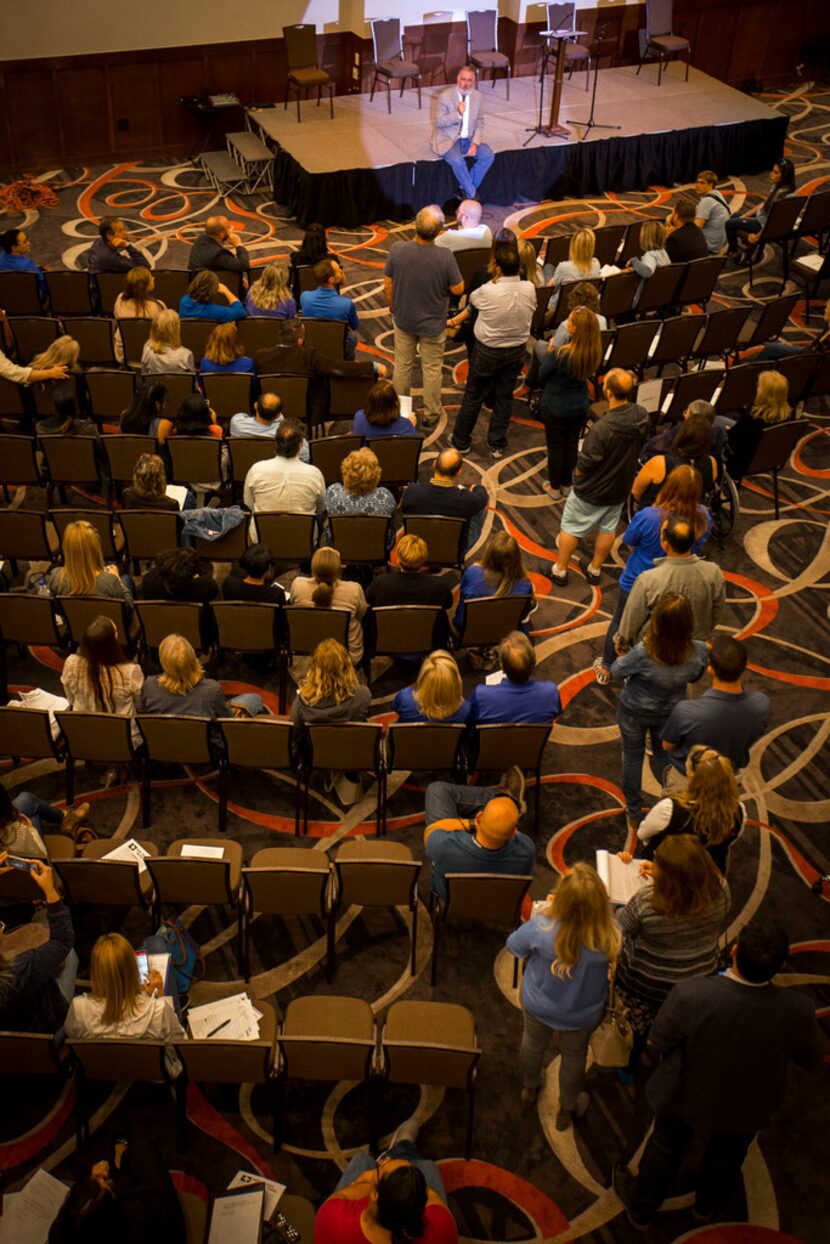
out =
column 465, row 120
column 505, row 310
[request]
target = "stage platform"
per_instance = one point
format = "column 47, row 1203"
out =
column 366, row 165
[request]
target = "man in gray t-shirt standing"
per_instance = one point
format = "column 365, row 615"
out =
column 712, row 211
column 417, row 282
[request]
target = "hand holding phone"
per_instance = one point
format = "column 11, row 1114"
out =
column 143, row 966
column 17, row 861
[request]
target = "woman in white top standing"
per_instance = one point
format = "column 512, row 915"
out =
column 135, row 303
column 581, row 264
column 97, row 679
column 164, row 351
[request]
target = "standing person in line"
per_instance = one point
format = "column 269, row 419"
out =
column 469, row 233
column 782, row 183
column 568, row 950
column 417, row 282
column 725, row 1043
column 602, row 477
column 459, row 128
column 505, row 306
column 564, row 376
column 712, row 211
column 656, row 673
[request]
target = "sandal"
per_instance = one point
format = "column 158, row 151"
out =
column 72, row 819
column 603, row 676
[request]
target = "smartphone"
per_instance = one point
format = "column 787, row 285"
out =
column 143, row 966
column 17, row 861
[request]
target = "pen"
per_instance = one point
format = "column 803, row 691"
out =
column 218, row 1028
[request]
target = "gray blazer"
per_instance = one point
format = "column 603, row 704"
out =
column 448, row 120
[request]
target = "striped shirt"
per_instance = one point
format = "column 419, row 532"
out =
column 658, row 951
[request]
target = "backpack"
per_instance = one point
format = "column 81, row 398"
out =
column 185, row 955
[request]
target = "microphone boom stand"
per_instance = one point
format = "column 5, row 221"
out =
column 591, row 124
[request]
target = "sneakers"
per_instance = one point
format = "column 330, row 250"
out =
column 593, row 576
column 564, row 1118
column 462, row 449
column 428, row 421
column 601, row 674
column 513, row 782
column 73, row 817
column 554, row 493
column 624, row 1187
column 558, row 576
column 496, row 453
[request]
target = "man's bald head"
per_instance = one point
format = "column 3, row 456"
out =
column 429, row 222
column 497, row 821
column 468, row 214
column 216, row 227
column 449, row 462
column 618, row 385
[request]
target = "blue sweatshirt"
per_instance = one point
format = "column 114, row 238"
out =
column 567, row 1002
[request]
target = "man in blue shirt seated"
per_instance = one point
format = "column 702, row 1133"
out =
column 265, row 421
column 327, row 303
column 15, row 257
column 518, row 697
column 725, row 717
column 474, row 829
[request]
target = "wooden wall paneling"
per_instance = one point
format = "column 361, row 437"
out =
column 229, row 71
column 32, row 109
column 180, row 75
column 784, row 44
column 712, row 48
column 269, row 72
column 84, row 105
column 749, row 48
column 6, row 153
column 134, row 103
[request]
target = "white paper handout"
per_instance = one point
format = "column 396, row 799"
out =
column 178, row 492
column 622, row 881
column 226, row 1019
column 237, row 1219
column 159, row 963
column 191, row 851
column 28, row 1214
column 130, row 852
column 493, row 680
column 273, row 1190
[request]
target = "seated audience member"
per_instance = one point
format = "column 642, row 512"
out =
column 437, row 695
column 411, row 584
column 663, row 440
column 690, row 447
column 518, row 697
column 218, row 248
column 584, row 294
column 16, row 256
column 709, row 807
column 382, row 414
column 224, row 352
column 144, row 413
column 656, row 673
column 31, row 374
column 529, row 269
column 98, row 678
column 83, row 572
column 64, row 352
column 781, row 350
column 134, row 303
column 568, row 950
column 163, row 351
column 25, row 819
column 112, row 250
column 66, row 421
column 360, row 492
column 680, row 495
column 581, row 264
column 725, row 718
column 397, row 1199
column 252, row 578
column 671, row 929
column 445, row 496
column 181, row 689
column 769, row 408
column 270, row 295
column 711, row 212
column 118, row 1005
column 201, row 300
column 684, row 240
column 469, row 233
column 474, row 829
column 311, row 250
column 500, row 572
column 265, row 421
column 193, row 418
column 131, row 1199
column 724, row 1043
column 148, row 490
column 289, row 355
column 179, row 574
column 285, row 482
column 327, row 303
column 654, row 256
column 330, row 693
column 326, row 589
column 745, row 221
column 36, row 986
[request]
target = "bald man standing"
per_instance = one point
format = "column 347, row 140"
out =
column 473, row 829
column 219, row 249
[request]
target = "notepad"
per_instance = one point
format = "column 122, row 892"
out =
column 227, row 1019
column 193, row 851
column 178, row 492
column 237, row 1219
column 130, row 852
column 273, row 1190
column 622, row 881
column 28, row 1214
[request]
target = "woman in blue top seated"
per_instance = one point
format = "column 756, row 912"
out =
column 224, row 352
column 500, row 572
column 437, row 695
column 568, row 948
column 201, row 300
column 680, row 495
column 382, row 414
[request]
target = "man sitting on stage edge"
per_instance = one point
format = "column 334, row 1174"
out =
column 459, row 126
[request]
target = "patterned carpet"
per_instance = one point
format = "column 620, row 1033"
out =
column 527, row 1181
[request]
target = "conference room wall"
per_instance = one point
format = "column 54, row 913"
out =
column 103, row 105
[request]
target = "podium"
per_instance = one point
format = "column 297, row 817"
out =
column 553, row 129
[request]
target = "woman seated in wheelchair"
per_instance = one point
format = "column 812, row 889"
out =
column 663, row 440
column 691, row 446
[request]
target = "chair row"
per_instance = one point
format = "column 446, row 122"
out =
column 73, row 293
column 265, row 744
column 732, row 390
column 320, row 1038
column 96, row 335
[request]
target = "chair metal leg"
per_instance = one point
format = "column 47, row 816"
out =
column 659, row 69
column 418, row 81
column 433, row 975
column 181, row 1112
column 775, row 489
column 331, row 101
column 223, row 794
column 414, row 937
column 279, row 1111
column 588, row 73
column 374, row 84
column 330, row 924
column 145, row 793
column 468, row 1146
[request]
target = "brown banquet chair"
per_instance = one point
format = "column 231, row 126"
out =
column 390, row 64
column 303, row 70
column 659, row 38
column 483, row 44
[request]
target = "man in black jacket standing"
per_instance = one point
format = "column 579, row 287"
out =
column 725, row 1043
column 602, row 478
column 219, row 249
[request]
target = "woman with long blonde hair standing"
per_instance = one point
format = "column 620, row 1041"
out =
column 437, row 694
column 569, row 950
column 564, row 375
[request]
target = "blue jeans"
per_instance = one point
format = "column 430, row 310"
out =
column 474, row 525
column 633, row 729
column 362, row 1162
column 740, row 224
column 39, row 812
column 469, row 179
column 444, row 800
column 492, row 374
column 609, row 654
